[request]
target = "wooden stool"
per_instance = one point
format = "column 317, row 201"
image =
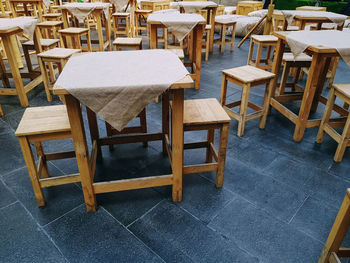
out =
column 142, row 128
column 288, row 62
column 178, row 52
column 332, row 250
column 71, row 38
column 262, row 41
column 40, row 124
column 59, row 56
column 139, row 14
column 118, row 27
column 246, row 77
column 206, row 42
column 1, row 111
column 52, row 17
column 127, row 42
column 49, row 29
column 207, row 114
column 342, row 91
column 222, row 41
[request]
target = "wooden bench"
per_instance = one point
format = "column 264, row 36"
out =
column 127, row 42
column 261, row 41
column 341, row 91
column 246, row 77
column 71, row 38
column 40, row 124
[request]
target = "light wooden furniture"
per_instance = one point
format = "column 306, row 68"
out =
column 139, row 16
column 104, row 40
column 261, row 41
column 178, row 52
column 321, row 58
column 155, row 5
column 312, row 8
column 71, row 38
column 58, row 56
column 207, row 114
column 206, row 42
column 40, row 124
column 341, row 91
column 246, row 77
column 1, row 111
column 127, row 42
column 245, row 7
column 332, row 250
column 223, row 40
column 52, row 17
column 118, row 27
column 37, row 5
column 195, row 50
column 49, row 29
column 297, row 63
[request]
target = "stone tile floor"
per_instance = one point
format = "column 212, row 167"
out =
column 278, row 202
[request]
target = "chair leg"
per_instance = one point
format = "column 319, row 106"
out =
column 243, row 109
column 338, row 157
column 210, row 139
column 222, row 155
column 40, row 153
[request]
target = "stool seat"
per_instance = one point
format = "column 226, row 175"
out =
column 264, row 38
column 121, row 14
column 52, row 15
column 248, row 74
column 50, row 23
column 59, row 53
column 127, row 41
column 43, row 120
column 178, row 52
column 289, row 28
column 343, row 89
column 301, row 57
column 45, row 42
column 207, row 27
column 73, row 30
column 204, row 111
column 145, row 12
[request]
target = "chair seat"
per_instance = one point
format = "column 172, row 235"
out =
column 343, row 89
column 301, row 57
column 50, row 23
column 247, row 74
column 119, row 14
column 204, row 111
column 43, row 120
column 127, row 41
column 178, row 52
column 73, row 30
column 264, row 38
column 59, row 53
column 45, row 42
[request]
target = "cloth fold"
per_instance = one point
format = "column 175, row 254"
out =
column 27, row 24
column 82, row 10
column 298, row 41
column 118, row 85
column 179, row 24
column 334, row 17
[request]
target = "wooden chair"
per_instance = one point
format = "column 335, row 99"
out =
column 118, row 27
column 58, row 56
column 341, row 91
column 222, row 41
column 40, row 124
column 71, row 38
column 49, row 29
column 207, row 114
column 142, row 128
column 288, row 62
column 127, row 42
column 261, row 41
column 139, row 15
column 332, row 250
column 246, row 77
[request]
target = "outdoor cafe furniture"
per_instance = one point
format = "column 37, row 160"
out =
column 322, row 46
column 181, row 25
column 245, row 7
column 311, row 8
column 340, row 91
column 261, row 41
column 118, row 27
column 224, row 23
column 127, row 42
column 117, row 86
column 71, row 37
column 9, row 28
column 101, row 14
column 37, row 5
column 246, row 77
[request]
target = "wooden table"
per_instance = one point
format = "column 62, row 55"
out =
column 311, row 8
column 86, row 162
column 311, row 96
column 195, row 49
column 100, row 18
column 11, row 49
column 37, row 4
column 245, row 7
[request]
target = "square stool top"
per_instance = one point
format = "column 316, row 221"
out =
column 248, row 74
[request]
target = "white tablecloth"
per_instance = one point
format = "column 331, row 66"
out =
column 300, row 40
column 82, row 10
column 179, row 24
column 27, row 24
column 193, row 6
column 119, row 4
column 118, row 85
column 334, row 17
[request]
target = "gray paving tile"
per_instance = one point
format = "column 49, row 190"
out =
column 178, row 237
column 6, row 197
column 97, row 237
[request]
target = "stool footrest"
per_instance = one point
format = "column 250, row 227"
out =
column 59, row 155
column 200, row 168
column 65, row 179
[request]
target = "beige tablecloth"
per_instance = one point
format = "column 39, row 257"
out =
column 193, row 6
column 118, row 85
column 179, row 24
column 119, row 4
column 334, row 17
column 300, row 40
column 27, row 24
column 82, row 10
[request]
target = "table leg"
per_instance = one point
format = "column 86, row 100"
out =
column 197, row 53
column 81, row 151
column 108, row 30
column 153, row 37
column 165, row 118
column 11, row 56
column 93, row 127
column 320, row 84
column 177, row 143
column 212, row 15
column 317, row 64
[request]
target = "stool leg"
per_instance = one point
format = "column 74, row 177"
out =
column 222, row 155
column 109, row 133
column 88, row 39
column 296, row 78
column 250, row 55
column 223, row 90
column 338, row 157
column 27, row 58
column 165, row 119
column 284, row 78
column 143, row 124
column 45, row 78
column 268, row 55
column 210, row 140
column 326, row 115
column 223, row 38
column 207, row 45
column 243, row 109
column 258, row 56
column 266, row 104
column 40, row 153
column 29, row 160
column 233, row 36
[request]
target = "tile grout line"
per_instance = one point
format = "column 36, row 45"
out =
column 6, row 206
column 298, row 209
column 63, row 215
